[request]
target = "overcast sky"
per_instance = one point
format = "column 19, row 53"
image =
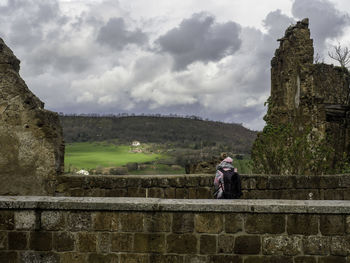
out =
column 209, row 58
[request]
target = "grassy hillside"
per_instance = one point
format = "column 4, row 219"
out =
column 176, row 132
column 92, row 155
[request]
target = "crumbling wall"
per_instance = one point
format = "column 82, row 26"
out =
column 306, row 128
column 31, row 141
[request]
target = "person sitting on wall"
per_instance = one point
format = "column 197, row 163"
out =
column 227, row 182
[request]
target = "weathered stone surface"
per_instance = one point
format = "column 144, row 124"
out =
column 265, row 223
column 183, row 222
column 332, row 225
column 247, row 245
column 31, row 141
column 105, row 221
column 181, row 243
column 332, row 259
column 25, row 220
column 306, row 128
column 209, row 223
column 282, row 245
column 225, row 258
column 132, row 258
column 316, row 245
column 78, row 221
column 340, row 246
column 104, row 242
column 3, row 240
column 122, row 242
column 40, row 241
column 166, row 259
column 208, row 244
column 53, row 220
column 73, row 257
column 233, row 223
column 109, row 258
column 195, row 259
column 36, row 256
column 63, row 241
column 305, row 259
column 17, row 240
column 7, row 220
column 130, row 222
column 157, row 222
column 226, row 244
column 149, row 243
column 302, row 224
column 8, row 257
column 86, row 242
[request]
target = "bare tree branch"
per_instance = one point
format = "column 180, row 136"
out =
column 342, row 55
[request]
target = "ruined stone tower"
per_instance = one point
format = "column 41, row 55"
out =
column 31, row 141
column 307, row 126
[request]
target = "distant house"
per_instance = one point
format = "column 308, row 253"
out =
column 136, row 143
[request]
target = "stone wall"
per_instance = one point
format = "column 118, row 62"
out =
column 129, row 230
column 307, row 129
column 199, row 186
column 31, row 141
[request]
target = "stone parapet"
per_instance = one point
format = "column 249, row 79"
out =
column 151, row 230
column 199, row 186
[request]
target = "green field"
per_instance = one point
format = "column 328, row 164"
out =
column 91, row 155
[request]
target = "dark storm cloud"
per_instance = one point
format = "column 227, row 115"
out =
column 115, row 35
column 276, row 23
column 200, row 38
column 325, row 20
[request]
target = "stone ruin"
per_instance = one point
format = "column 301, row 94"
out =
column 307, row 122
column 31, row 141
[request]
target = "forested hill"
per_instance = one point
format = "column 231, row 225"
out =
column 181, row 132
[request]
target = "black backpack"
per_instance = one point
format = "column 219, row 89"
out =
column 232, row 184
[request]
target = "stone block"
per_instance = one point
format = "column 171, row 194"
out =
column 340, row 245
column 280, row 182
column 157, row 222
column 224, row 259
column 117, row 192
column 304, row 259
column 3, row 240
column 347, row 222
column 101, row 258
column 265, row 223
column 7, row 220
column 332, row 194
column 122, row 242
column 233, row 223
column 207, row 244
column 17, row 240
column 206, row 181
column 226, row 244
column 154, row 258
column 38, row 257
column 177, row 182
column 248, row 183
column 181, row 244
column 302, row 224
column 316, row 245
column 192, row 193
column 281, row 245
column 156, row 192
column 137, row 192
column 63, row 241
column 195, row 259
column 8, row 257
column 40, row 241
column 25, row 220
column 181, row 193
column 332, row 225
column 332, row 259
column 169, row 192
column 204, row 193
column 79, row 221
column 86, row 242
column 249, row 245
column 261, row 182
column 208, row 223
column 183, row 222
column 149, row 243
column 53, row 220
column 131, row 222
column 105, row 221
column 104, row 242
column 73, row 257
column 134, row 258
